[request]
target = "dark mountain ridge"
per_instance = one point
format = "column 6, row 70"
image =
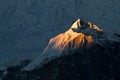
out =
column 88, row 63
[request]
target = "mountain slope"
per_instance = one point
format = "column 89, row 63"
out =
column 87, row 63
column 79, row 35
column 92, row 63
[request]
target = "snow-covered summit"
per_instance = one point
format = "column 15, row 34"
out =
column 80, row 34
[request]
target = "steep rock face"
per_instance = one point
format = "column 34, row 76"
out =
column 64, row 41
column 79, row 35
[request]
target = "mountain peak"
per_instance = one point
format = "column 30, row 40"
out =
column 79, row 34
column 76, row 24
column 79, row 25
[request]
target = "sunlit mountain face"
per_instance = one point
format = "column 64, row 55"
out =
column 79, row 34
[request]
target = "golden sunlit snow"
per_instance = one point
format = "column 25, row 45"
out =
column 73, row 39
